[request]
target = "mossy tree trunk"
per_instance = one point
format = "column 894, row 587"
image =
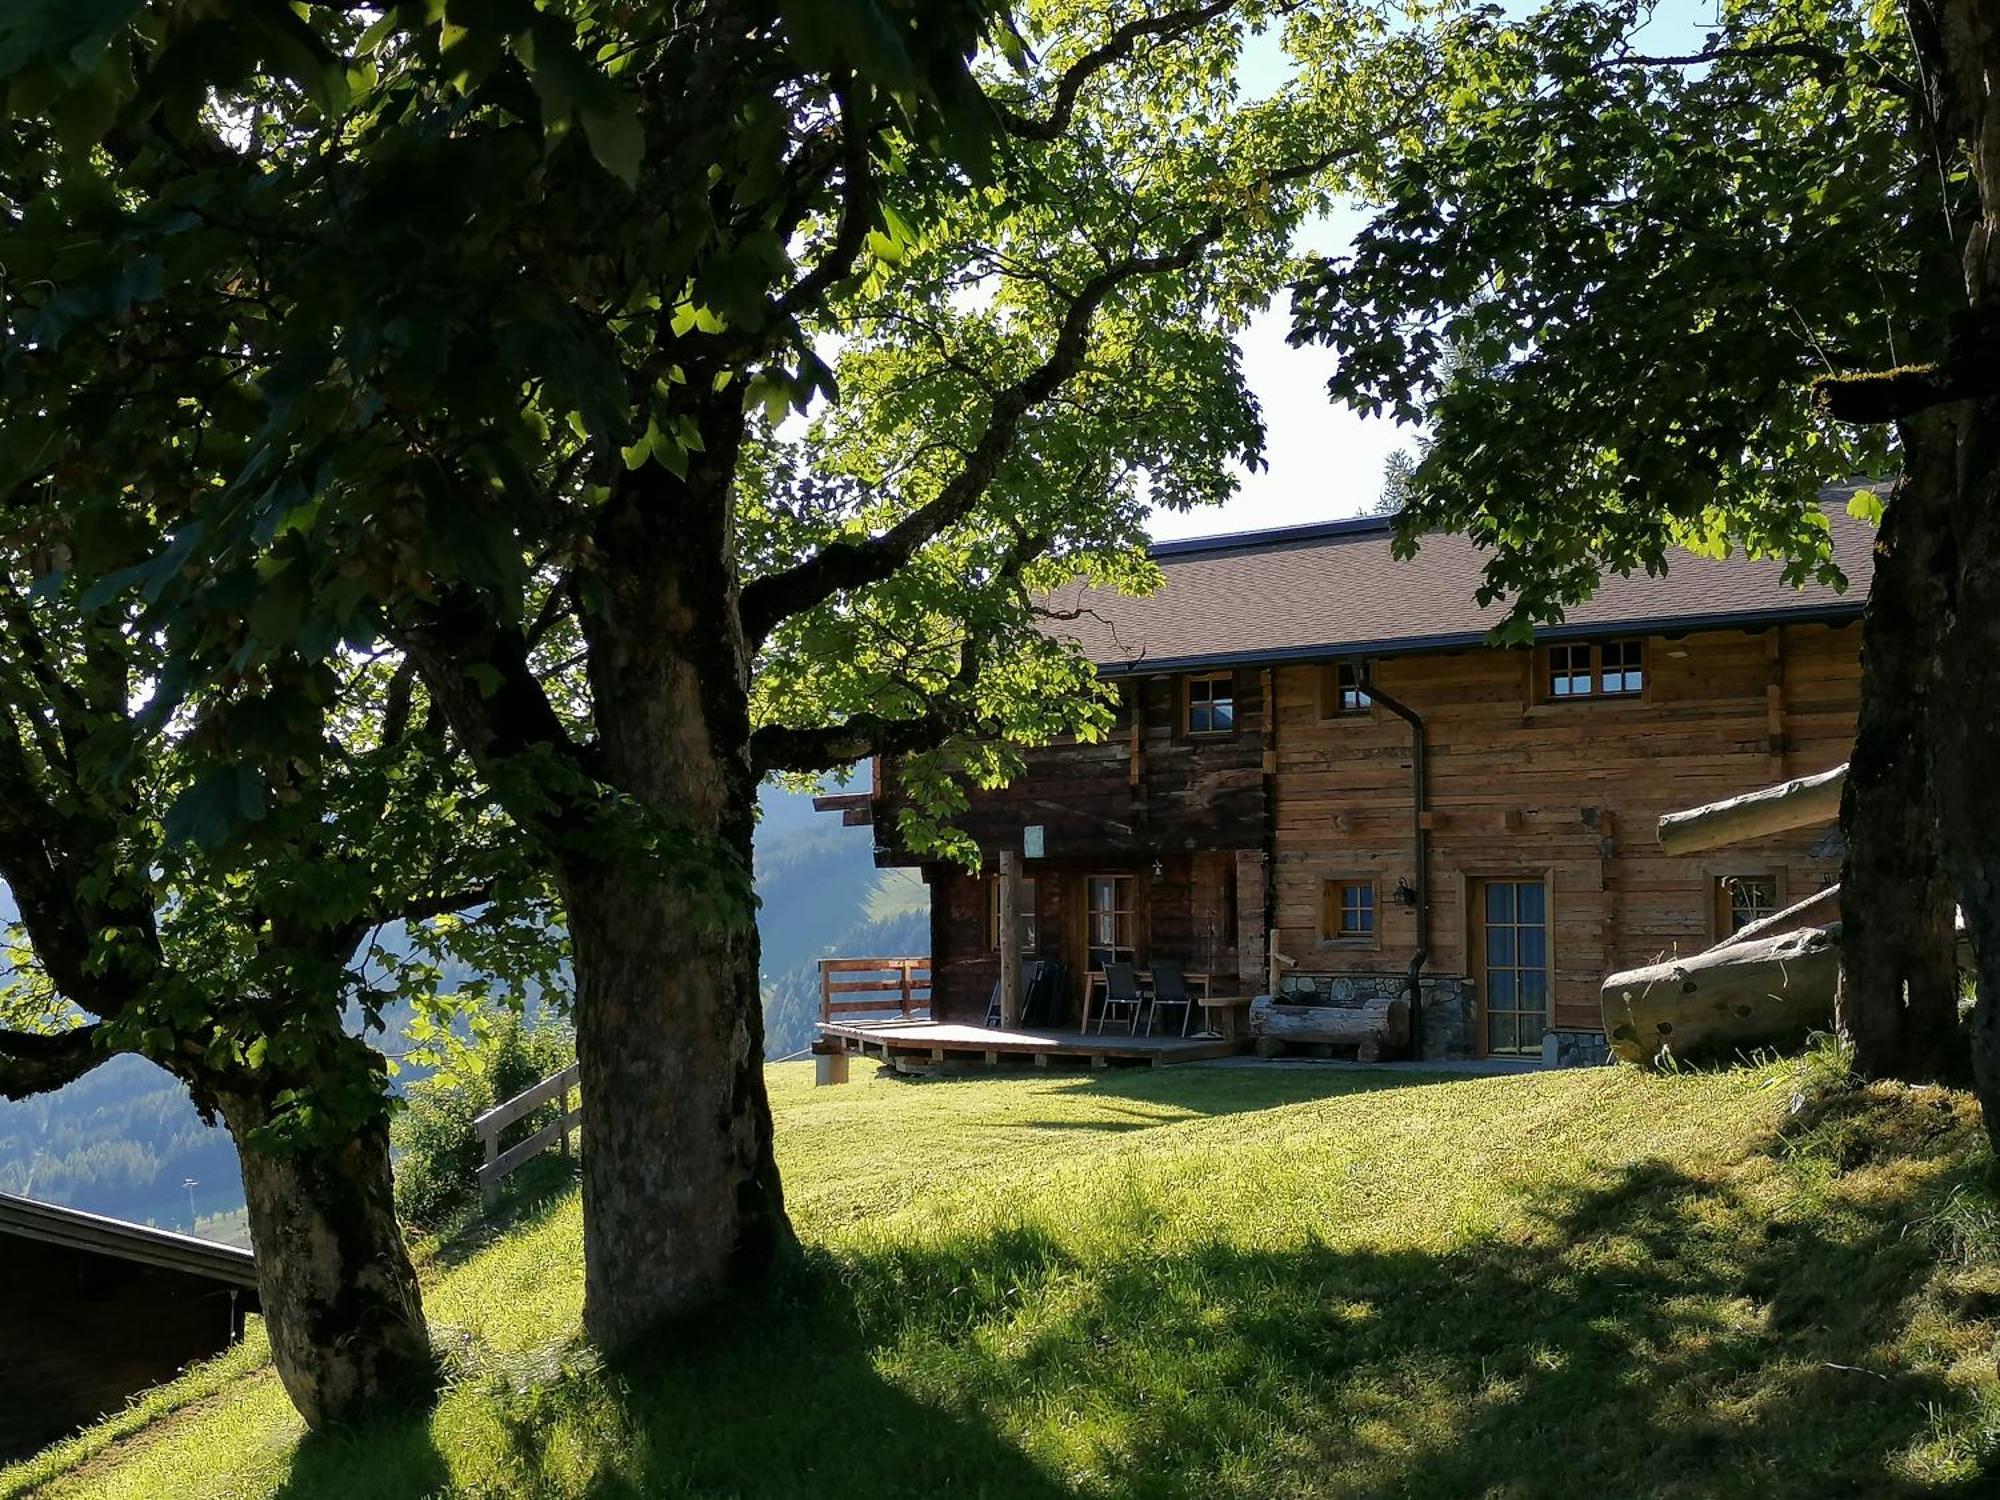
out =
column 340, row 1297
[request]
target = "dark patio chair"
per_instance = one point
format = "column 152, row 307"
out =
column 1169, row 988
column 1041, row 1005
column 1121, row 988
column 1031, row 975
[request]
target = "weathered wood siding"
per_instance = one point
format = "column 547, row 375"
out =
column 1148, row 788
column 81, row 1332
column 1568, row 792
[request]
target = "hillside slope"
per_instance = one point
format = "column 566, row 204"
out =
column 1228, row 1283
column 126, row 1140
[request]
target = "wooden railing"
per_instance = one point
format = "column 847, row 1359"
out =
column 559, row 1087
column 899, row 984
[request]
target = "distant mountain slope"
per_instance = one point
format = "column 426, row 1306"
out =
column 126, row 1140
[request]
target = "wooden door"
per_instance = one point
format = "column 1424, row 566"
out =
column 1510, row 960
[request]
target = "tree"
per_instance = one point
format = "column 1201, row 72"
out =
column 504, row 314
column 1651, row 262
column 249, row 971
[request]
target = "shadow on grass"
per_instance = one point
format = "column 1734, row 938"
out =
column 1658, row 1334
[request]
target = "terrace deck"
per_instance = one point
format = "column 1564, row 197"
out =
column 926, row 1044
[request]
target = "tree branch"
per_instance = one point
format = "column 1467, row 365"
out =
column 420, row 908
column 1829, row 58
column 781, row 747
column 1121, row 44
column 1892, row 395
column 852, row 230
column 31, row 1063
column 842, row 565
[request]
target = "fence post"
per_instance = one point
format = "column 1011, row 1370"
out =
column 489, row 1187
column 562, row 1103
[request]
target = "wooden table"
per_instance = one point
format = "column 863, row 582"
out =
column 1196, row 982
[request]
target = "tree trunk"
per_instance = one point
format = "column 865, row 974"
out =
column 1964, row 50
column 340, row 1297
column 1898, row 998
column 680, row 1188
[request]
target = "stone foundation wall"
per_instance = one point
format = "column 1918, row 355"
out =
column 1449, row 1028
column 1575, row 1049
column 1451, row 1015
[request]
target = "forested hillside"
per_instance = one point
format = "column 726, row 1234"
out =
column 126, row 1139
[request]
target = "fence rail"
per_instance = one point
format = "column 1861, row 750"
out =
column 900, row 984
column 499, row 1164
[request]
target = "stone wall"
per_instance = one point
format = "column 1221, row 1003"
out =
column 1574, row 1049
column 1449, row 1010
column 1451, row 1015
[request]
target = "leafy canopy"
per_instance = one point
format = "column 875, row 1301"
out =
column 1608, row 278
column 903, row 313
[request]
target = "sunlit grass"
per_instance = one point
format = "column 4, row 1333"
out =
column 1228, row 1283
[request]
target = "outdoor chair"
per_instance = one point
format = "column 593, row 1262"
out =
column 1045, row 990
column 1121, row 988
column 1031, row 976
column 1169, row 988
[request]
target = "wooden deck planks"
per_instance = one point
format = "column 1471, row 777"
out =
column 935, row 1042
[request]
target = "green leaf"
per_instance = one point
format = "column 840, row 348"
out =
column 216, row 806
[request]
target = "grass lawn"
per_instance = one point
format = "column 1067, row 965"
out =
column 1226, row 1283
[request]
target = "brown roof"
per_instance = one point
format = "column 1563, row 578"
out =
column 1310, row 592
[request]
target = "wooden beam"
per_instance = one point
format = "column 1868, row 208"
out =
column 1792, row 804
column 1010, row 939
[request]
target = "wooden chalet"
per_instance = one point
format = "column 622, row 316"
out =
column 1317, row 750
column 94, row 1310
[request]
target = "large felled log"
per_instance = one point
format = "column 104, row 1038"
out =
column 1766, row 992
column 1375, row 1024
column 1775, row 809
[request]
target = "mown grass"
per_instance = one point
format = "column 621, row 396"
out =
column 1230, row 1283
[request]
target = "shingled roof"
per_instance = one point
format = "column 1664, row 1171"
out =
column 1307, row 593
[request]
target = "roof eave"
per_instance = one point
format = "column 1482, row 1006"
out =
column 54, row 1224
column 1843, row 612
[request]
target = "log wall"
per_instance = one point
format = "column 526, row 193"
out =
column 1567, row 793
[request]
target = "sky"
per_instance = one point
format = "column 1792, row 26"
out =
column 1325, row 461
column 1322, row 460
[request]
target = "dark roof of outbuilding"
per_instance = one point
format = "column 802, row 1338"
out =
column 53, row 1224
column 1307, row 593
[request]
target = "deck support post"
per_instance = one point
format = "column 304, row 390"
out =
column 1010, row 939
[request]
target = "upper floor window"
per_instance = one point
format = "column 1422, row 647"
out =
column 1211, row 704
column 1621, row 667
column 1349, row 696
column 1608, row 669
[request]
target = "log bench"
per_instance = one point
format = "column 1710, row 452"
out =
column 1372, row 1027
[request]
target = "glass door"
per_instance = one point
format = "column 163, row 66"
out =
column 1111, row 922
column 1511, row 959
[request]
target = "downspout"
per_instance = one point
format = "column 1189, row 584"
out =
column 1270, row 844
column 1420, row 842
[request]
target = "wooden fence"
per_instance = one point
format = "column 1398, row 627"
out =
column 898, row 984
column 559, row 1087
